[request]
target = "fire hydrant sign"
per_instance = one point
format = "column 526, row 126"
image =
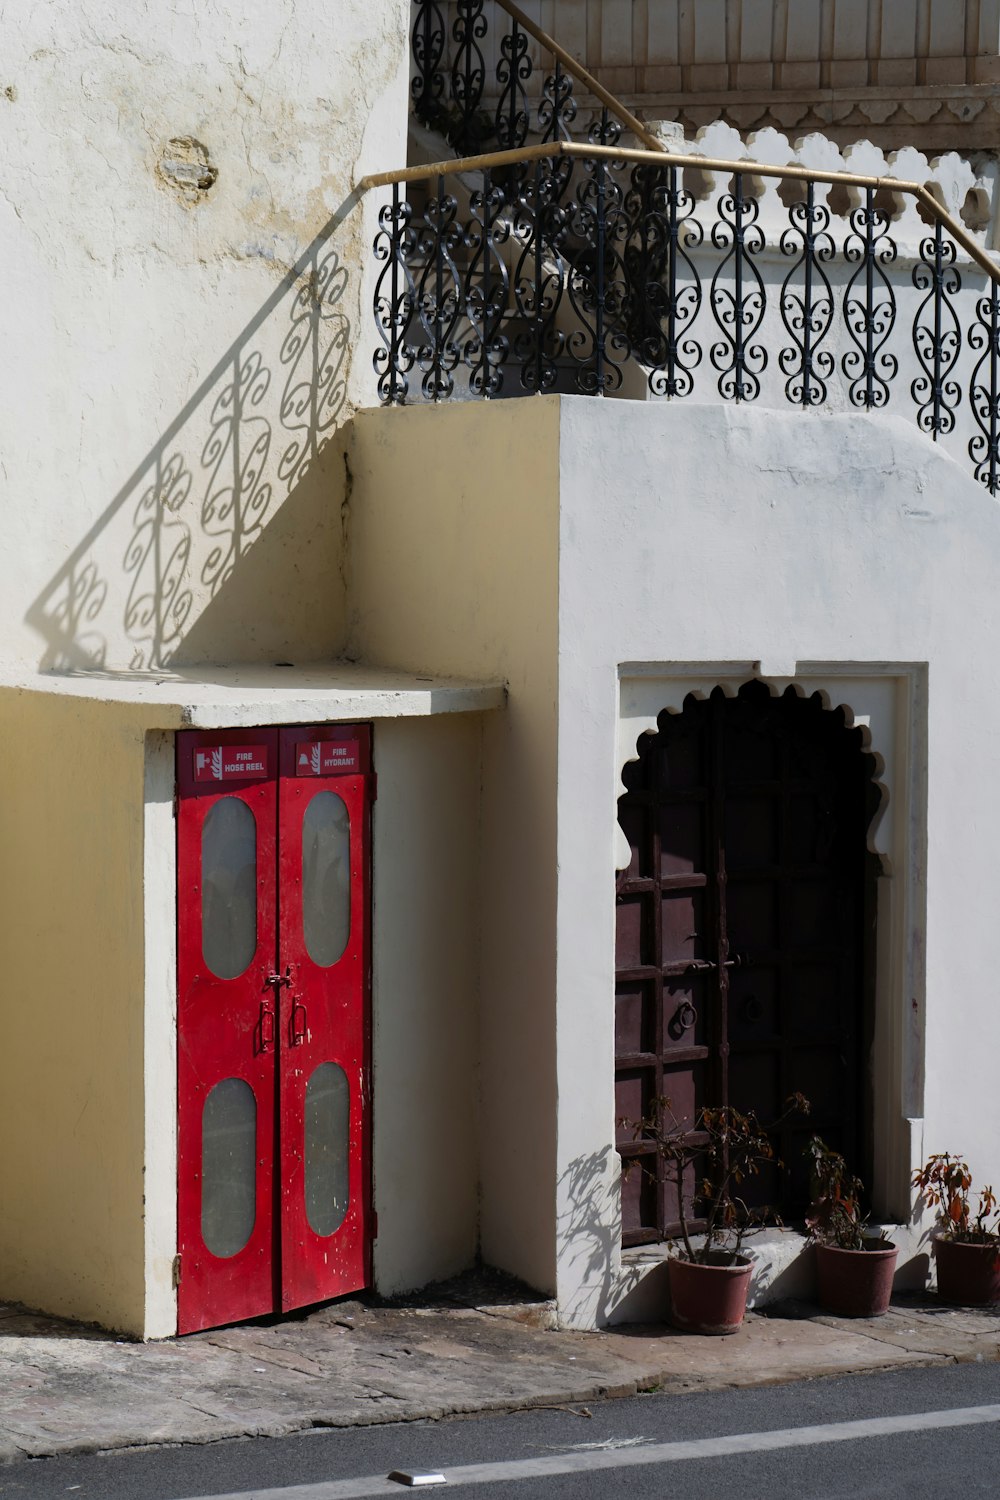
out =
column 230, row 762
column 327, row 757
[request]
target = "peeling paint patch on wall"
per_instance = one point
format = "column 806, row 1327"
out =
column 186, row 167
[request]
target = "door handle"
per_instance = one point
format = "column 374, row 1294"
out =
column 266, row 1024
column 297, row 1034
column 706, row 965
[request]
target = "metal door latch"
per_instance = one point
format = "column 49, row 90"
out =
column 707, row 965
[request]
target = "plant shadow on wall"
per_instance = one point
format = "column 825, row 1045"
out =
column 588, row 1225
column 234, row 507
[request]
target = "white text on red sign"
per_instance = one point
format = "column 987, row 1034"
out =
column 326, row 757
column 230, row 762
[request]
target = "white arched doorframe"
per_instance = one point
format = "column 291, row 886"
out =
column 888, row 702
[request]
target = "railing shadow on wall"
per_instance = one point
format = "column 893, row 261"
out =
column 177, row 565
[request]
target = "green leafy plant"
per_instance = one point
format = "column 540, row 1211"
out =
column 944, row 1183
column 835, row 1216
column 722, row 1147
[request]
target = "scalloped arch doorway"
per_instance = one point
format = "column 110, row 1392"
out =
column 745, row 932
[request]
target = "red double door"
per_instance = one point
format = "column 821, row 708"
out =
column 273, row 1036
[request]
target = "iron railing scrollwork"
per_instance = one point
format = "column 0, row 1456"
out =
column 598, row 282
column 513, row 116
column 468, row 77
column 557, row 107
column 454, row 92
column 869, row 306
column 807, row 304
column 539, row 277
column 486, row 350
column 429, row 42
column 563, row 268
column 738, row 310
column 395, row 299
column 664, row 284
column 984, row 395
column 937, row 336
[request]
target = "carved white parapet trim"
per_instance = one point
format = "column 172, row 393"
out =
column 968, row 193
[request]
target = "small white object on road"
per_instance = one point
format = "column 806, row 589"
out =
column 415, row 1478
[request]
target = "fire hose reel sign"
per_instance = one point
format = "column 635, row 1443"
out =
column 230, row 762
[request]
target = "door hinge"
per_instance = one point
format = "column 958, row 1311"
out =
column 175, row 1272
column 373, row 779
column 374, row 1225
column 175, row 805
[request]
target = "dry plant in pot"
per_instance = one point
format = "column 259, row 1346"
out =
column 854, row 1269
column 966, row 1248
column 707, row 1165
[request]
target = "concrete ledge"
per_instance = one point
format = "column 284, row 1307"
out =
column 231, row 697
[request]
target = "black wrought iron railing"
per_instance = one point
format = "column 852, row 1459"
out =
column 598, row 271
column 528, row 90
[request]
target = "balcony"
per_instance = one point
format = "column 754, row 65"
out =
column 611, row 266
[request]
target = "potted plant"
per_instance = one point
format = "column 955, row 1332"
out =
column 709, row 1280
column 966, row 1249
column 854, row 1269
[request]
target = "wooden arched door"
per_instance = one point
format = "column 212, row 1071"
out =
column 744, row 935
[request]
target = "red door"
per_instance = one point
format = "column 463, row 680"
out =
column 273, row 966
column 323, row 860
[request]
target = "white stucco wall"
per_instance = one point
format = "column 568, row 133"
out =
column 178, row 358
column 811, row 549
column 696, row 545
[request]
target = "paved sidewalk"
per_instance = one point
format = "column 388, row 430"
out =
column 65, row 1388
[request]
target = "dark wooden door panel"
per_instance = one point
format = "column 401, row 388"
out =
column 743, row 919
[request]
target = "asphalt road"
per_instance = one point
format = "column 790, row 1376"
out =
column 929, row 1457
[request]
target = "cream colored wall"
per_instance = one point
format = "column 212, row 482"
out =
column 424, row 986
column 71, row 1003
column 180, row 359
column 454, row 537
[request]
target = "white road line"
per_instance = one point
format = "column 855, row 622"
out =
column 621, row 1458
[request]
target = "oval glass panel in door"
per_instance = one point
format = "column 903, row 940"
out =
column 326, row 878
column 228, row 1167
column 327, row 1166
column 229, row 887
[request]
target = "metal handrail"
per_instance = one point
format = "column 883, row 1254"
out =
column 580, row 73
column 430, row 171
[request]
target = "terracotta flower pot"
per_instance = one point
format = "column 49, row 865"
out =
column 710, row 1298
column 967, row 1273
column 856, row 1283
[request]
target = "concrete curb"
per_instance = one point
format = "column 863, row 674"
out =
column 71, row 1390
